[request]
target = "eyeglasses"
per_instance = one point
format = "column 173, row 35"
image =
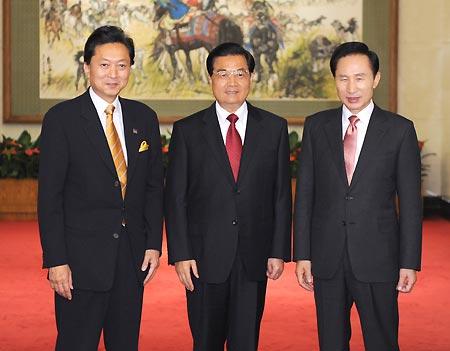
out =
column 238, row 73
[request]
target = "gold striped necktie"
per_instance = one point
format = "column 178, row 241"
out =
column 116, row 149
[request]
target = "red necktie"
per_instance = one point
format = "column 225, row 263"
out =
column 350, row 138
column 233, row 145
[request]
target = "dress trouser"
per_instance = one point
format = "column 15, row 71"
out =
column 376, row 304
column 228, row 312
column 116, row 312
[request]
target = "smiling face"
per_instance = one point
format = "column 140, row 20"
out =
column 109, row 70
column 355, row 81
column 230, row 90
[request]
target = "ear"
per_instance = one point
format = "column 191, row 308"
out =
column 376, row 79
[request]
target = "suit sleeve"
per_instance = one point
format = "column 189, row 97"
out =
column 281, row 246
column 154, row 191
column 179, row 248
column 410, row 202
column 304, row 195
column 53, row 167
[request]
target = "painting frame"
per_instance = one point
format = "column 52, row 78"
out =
column 380, row 31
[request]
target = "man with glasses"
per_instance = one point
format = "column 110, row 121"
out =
column 228, row 206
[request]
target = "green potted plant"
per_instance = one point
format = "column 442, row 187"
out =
column 19, row 158
column 19, row 165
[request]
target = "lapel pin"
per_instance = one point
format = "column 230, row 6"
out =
column 135, row 131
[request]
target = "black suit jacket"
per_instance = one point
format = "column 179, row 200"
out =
column 80, row 205
column 210, row 217
column 331, row 215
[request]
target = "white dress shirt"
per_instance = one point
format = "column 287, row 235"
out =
column 361, row 126
column 100, row 106
column 241, row 124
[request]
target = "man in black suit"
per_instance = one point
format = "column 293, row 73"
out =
column 228, row 206
column 100, row 202
column 354, row 161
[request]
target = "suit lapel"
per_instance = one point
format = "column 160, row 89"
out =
column 132, row 140
column 212, row 134
column 333, row 131
column 251, row 141
column 95, row 132
column 374, row 134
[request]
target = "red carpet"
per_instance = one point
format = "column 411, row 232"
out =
column 26, row 302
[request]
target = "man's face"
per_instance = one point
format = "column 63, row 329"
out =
column 230, row 81
column 355, row 82
column 109, row 70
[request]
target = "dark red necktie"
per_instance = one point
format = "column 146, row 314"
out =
column 233, row 145
column 350, row 139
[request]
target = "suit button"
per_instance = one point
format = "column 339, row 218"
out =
column 344, row 223
column 235, row 222
column 116, row 184
column 238, row 191
column 349, row 197
column 116, row 236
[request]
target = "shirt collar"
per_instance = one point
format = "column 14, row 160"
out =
column 241, row 112
column 100, row 104
column 363, row 115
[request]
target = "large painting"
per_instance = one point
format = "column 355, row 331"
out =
column 291, row 40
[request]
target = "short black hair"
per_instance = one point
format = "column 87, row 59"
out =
column 106, row 35
column 354, row 48
column 229, row 49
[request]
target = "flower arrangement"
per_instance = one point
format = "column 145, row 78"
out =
column 19, row 158
column 165, row 141
column 294, row 147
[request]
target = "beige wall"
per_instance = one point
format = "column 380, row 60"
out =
column 446, row 102
column 423, row 85
column 423, row 81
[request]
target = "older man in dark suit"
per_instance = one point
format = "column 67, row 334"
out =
column 100, row 202
column 228, row 206
column 349, row 243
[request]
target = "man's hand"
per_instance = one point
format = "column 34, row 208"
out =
column 60, row 278
column 275, row 268
column 183, row 269
column 151, row 258
column 408, row 278
column 304, row 276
